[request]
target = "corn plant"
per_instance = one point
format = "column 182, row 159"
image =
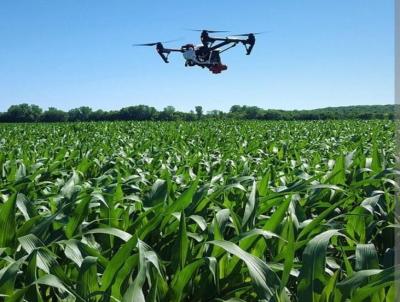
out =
column 205, row 211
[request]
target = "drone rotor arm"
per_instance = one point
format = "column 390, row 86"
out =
column 249, row 44
column 164, row 56
column 224, row 42
column 164, row 52
column 173, row 50
column 248, row 48
column 233, row 45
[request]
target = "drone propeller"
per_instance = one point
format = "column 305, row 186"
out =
column 209, row 31
column 146, row 44
column 155, row 43
column 245, row 35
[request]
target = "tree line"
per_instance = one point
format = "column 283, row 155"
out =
column 33, row 113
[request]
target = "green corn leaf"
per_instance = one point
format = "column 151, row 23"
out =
column 250, row 208
column 135, row 290
column 312, row 277
column 79, row 215
column 123, row 274
column 56, row 283
column 358, row 279
column 329, row 289
column 183, row 277
column 7, row 222
column 366, row 257
column 338, row 176
column 383, row 279
column 111, row 231
column 276, row 218
column 73, row 252
column 87, row 278
column 376, row 159
column 70, row 186
column 201, row 222
column 46, row 259
column 183, row 241
column 158, row 194
column 117, row 262
column 317, row 220
column 289, row 255
column 185, row 199
column 265, row 281
column 8, row 276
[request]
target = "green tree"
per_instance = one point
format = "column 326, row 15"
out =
column 168, row 114
column 199, row 112
column 24, row 113
column 54, row 115
column 139, row 113
column 79, row 114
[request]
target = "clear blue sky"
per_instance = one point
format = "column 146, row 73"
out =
column 78, row 52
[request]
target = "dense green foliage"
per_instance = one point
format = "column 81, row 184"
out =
column 33, row 113
column 206, row 211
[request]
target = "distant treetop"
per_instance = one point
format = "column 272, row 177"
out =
column 33, row 113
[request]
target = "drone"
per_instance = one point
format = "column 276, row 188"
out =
column 207, row 54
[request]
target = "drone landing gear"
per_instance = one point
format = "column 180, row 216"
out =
column 217, row 68
column 189, row 63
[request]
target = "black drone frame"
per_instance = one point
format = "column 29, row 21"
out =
column 164, row 52
column 208, row 44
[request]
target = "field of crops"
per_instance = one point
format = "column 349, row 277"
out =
column 203, row 211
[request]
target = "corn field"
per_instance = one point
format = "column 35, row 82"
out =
column 203, row 211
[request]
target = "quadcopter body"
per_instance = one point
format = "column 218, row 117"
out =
column 208, row 53
column 201, row 56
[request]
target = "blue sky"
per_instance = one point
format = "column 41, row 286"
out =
column 315, row 54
